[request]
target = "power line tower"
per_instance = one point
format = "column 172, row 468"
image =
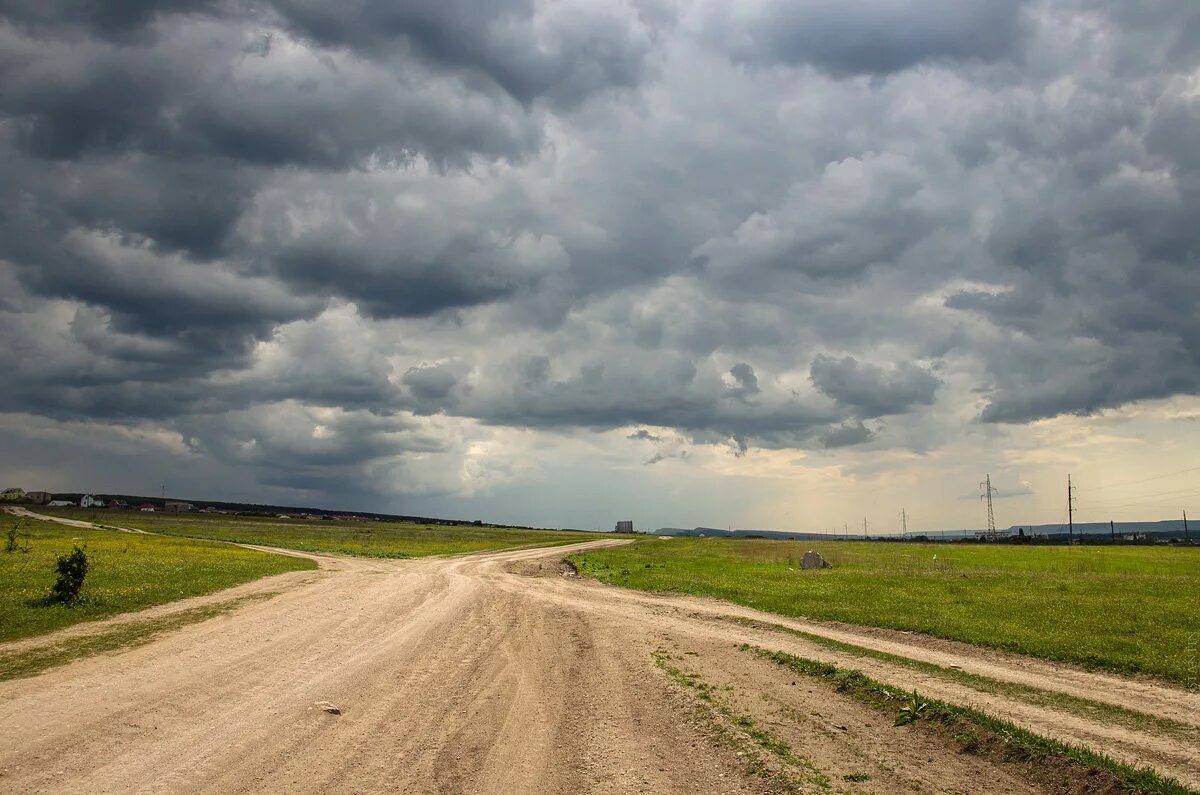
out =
column 903, row 523
column 864, row 527
column 1070, row 511
column 988, row 491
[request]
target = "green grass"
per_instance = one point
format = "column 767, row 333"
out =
column 967, row 724
column 1093, row 710
column 367, row 539
column 32, row 661
column 127, row 572
column 1125, row 609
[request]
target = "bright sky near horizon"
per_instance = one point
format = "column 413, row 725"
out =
column 769, row 264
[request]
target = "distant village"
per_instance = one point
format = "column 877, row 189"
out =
column 19, row 496
column 50, row 500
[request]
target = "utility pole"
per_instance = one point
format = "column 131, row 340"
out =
column 987, row 495
column 1070, row 511
column 1113, row 530
column 846, row 530
column 1185, row 530
column 864, row 527
column 903, row 524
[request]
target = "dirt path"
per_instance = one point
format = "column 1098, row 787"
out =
column 458, row 675
column 17, row 510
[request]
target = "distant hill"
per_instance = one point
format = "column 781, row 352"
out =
column 1161, row 530
column 716, row 532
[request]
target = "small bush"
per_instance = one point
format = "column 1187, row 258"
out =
column 13, row 536
column 72, row 569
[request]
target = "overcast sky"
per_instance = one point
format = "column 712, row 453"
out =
column 777, row 263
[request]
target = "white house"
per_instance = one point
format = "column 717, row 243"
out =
column 88, row 501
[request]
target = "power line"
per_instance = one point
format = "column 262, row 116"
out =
column 1150, row 503
column 1185, row 492
column 1147, row 480
column 988, row 491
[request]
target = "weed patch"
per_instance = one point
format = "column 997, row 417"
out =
column 976, row 732
column 30, row 662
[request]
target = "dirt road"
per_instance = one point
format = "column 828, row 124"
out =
column 494, row 673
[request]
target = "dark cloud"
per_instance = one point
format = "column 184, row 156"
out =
column 195, row 93
column 873, row 391
column 529, row 50
column 116, row 19
column 745, row 382
column 874, row 37
column 846, row 435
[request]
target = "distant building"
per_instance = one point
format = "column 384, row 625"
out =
column 625, row 527
column 147, row 507
column 60, row 504
column 39, row 497
column 178, row 506
column 88, row 501
column 119, row 505
column 12, row 495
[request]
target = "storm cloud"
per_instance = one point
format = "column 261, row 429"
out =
column 366, row 248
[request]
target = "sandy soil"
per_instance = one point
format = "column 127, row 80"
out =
column 496, row 673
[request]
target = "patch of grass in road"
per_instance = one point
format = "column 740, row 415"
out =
column 127, row 572
column 1124, row 609
column 32, row 661
column 785, row 770
column 340, row 537
column 977, row 732
column 1083, row 707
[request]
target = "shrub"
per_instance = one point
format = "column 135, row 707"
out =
column 72, row 569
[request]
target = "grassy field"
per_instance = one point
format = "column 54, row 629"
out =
column 1127, row 609
column 368, row 539
column 127, row 572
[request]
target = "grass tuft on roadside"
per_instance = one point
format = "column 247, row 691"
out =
column 979, row 733
column 1086, row 708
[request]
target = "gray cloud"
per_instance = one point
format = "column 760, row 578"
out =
column 873, row 391
column 562, row 53
column 870, row 36
column 433, row 224
column 846, row 435
column 745, row 382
